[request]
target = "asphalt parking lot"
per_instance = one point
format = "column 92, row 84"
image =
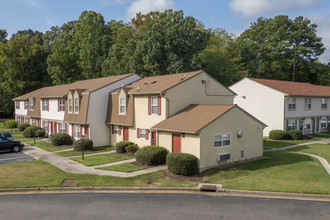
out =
column 9, row 157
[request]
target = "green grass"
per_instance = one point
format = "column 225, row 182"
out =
column 75, row 153
column 100, row 159
column 323, row 135
column 322, row 150
column 124, row 167
column 45, row 145
column 283, row 143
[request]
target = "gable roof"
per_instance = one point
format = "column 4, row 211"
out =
column 84, row 86
column 294, row 88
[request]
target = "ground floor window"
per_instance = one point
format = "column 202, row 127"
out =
column 291, row 125
column 142, row 133
column 61, row 127
column 33, row 122
column 324, row 122
column 46, row 127
column 76, row 131
column 221, row 140
column 307, row 125
column 116, row 129
column 242, row 154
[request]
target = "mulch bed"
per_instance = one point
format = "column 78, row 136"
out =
column 195, row 178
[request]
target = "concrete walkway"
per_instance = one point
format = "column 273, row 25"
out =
column 71, row 166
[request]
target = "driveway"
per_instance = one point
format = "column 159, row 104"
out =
column 9, row 157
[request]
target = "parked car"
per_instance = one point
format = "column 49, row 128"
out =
column 9, row 145
column 6, row 134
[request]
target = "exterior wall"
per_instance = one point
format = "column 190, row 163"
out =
column 21, row 110
column 115, row 138
column 193, row 91
column 53, row 113
column 97, row 111
column 264, row 103
column 251, row 141
column 300, row 108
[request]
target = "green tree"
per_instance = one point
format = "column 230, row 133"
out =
column 3, row 35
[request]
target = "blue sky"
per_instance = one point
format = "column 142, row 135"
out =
column 233, row 15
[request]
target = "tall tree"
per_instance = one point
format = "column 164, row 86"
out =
column 3, row 35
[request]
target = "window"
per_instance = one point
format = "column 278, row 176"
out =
column 324, row 121
column 26, row 104
column 61, row 105
column 46, row 127
column 307, row 125
column 142, row 133
column 45, row 105
column 61, row 127
column 70, row 106
column 115, row 129
column 292, row 104
column 324, row 104
column 154, row 105
column 221, row 140
column 17, row 104
column 76, row 131
column 291, row 125
column 122, row 106
column 76, row 105
column 33, row 122
column 242, row 154
column 308, row 104
column 31, row 105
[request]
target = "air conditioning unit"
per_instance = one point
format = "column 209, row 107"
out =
column 222, row 157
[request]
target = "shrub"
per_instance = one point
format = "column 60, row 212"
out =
column 29, row 131
column 121, row 146
column 132, row 148
column 88, row 144
column 295, row 134
column 60, row 139
column 279, row 135
column 151, row 155
column 182, row 163
column 23, row 126
column 11, row 124
column 40, row 133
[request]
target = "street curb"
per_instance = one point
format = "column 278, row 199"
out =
column 222, row 192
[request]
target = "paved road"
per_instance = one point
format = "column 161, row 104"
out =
column 155, row 206
column 9, row 157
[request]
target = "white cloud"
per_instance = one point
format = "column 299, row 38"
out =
column 251, row 8
column 146, row 6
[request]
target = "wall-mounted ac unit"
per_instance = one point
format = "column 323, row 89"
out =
column 222, row 157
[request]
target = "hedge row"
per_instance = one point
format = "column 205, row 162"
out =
column 30, row 131
column 283, row 135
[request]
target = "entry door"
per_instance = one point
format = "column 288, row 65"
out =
column 125, row 133
column 176, row 143
column 153, row 137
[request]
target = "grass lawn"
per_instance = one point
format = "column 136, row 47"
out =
column 124, row 167
column 283, row 143
column 45, row 145
column 75, row 153
column 322, row 150
column 323, row 135
column 100, row 159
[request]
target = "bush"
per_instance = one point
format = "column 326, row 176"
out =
column 60, row 139
column 151, row 155
column 121, row 146
column 182, row 163
column 23, row 126
column 29, row 131
column 295, row 134
column 11, row 124
column 40, row 133
column 88, row 144
column 132, row 148
column 279, row 135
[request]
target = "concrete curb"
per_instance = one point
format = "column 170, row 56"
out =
column 222, row 192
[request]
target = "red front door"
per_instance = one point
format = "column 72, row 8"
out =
column 176, row 143
column 125, row 133
column 153, row 137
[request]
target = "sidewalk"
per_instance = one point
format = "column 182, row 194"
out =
column 71, row 166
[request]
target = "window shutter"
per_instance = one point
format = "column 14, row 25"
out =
column 159, row 105
column 58, row 105
column 138, row 132
column 48, row 126
column 112, row 129
column 149, row 105
column 119, row 130
column 47, row 104
column 80, row 131
column 147, row 134
column 72, row 130
column 86, row 131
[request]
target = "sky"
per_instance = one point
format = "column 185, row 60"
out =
column 233, row 15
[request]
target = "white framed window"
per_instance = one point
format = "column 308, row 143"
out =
column 154, row 105
column 31, row 104
column 46, row 127
column 142, row 133
column 292, row 104
column 44, row 105
column 115, row 129
column 221, row 140
column 17, row 105
column 122, row 106
column 291, row 125
column 61, row 127
column 70, row 105
column 76, row 131
column 308, row 103
column 26, row 104
column 76, row 105
column 307, row 125
column 324, row 122
column 61, row 105
column 324, row 104
column 33, row 122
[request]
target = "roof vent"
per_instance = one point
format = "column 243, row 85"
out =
column 146, row 83
column 308, row 90
column 153, row 82
column 138, row 88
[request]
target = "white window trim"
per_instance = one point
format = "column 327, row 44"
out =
column 61, row 127
column 116, row 130
column 143, row 129
column 122, row 105
column 61, row 105
column 26, row 105
column 307, row 104
column 324, row 122
column 31, row 105
column 292, row 104
column 44, row 105
column 324, row 103
column 75, row 131
column 70, row 105
column 76, row 104
column 221, row 134
column 17, row 105
column 153, row 105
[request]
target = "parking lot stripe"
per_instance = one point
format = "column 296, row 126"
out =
column 14, row 158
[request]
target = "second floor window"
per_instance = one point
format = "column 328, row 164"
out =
column 26, row 104
column 308, row 103
column 154, row 105
column 324, row 104
column 31, row 104
column 61, row 105
column 70, row 106
column 17, row 104
column 45, row 106
column 76, row 105
column 122, row 106
column 292, row 104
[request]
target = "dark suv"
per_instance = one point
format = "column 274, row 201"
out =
column 6, row 145
column 6, row 134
